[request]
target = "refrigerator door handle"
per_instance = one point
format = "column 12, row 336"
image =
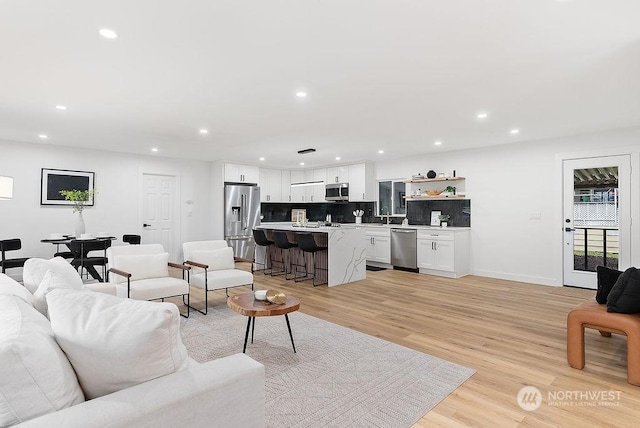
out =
column 244, row 214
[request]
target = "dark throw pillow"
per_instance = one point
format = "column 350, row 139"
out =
column 624, row 297
column 606, row 280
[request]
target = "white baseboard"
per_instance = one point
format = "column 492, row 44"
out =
column 553, row 282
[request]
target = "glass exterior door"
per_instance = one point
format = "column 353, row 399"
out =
column 596, row 217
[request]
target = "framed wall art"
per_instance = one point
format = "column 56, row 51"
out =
column 55, row 180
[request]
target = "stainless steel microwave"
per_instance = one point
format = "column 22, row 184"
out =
column 337, row 192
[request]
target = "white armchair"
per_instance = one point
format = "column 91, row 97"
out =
column 142, row 272
column 214, row 267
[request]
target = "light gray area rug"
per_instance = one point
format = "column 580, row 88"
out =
column 339, row 377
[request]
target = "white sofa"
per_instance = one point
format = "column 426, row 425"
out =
column 220, row 393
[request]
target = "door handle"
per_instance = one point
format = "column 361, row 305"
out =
column 146, row 225
column 569, row 229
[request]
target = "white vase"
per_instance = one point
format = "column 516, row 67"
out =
column 79, row 224
column 443, row 224
column 358, row 220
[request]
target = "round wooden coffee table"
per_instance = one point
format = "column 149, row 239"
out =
column 246, row 304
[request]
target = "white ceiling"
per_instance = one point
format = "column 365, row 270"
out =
column 395, row 75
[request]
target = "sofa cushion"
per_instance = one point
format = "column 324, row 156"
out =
column 154, row 288
column 35, row 270
column 624, row 297
column 52, row 280
column 219, row 279
column 606, row 280
column 141, row 266
column 215, row 259
column 114, row 343
column 36, row 377
column 10, row 286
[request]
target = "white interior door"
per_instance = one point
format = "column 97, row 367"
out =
column 597, row 217
column 158, row 219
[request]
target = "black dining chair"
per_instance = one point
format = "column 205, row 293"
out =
column 11, row 245
column 131, row 239
column 81, row 259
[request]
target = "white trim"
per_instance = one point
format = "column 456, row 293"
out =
column 552, row 282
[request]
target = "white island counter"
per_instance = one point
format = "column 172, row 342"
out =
column 346, row 255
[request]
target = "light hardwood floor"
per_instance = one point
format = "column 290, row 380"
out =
column 513, row 334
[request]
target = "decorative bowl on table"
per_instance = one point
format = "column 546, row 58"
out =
column 433, row 192
column 277, row 297
column 260, row 294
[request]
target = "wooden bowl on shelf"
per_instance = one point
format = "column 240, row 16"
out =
column 433, row 192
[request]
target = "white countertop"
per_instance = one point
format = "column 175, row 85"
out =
column 288, row 226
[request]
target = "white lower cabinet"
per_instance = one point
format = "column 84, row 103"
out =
column 443, row 252
column 378, row 244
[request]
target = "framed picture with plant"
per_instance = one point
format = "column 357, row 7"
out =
column 77, row 185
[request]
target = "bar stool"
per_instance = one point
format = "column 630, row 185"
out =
column 260, row 237
column 307, row 244
column 281, row 241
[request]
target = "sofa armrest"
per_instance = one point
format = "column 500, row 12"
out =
column 220, row 393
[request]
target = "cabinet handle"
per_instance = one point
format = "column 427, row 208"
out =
column 363, row 196
column 289, row 198
column 336, row 179
column 311, row 198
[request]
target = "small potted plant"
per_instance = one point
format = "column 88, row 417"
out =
column 79, row 199
column 444, row 219
column 450, row 190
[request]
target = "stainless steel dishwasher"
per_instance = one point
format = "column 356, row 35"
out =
column 404, row 248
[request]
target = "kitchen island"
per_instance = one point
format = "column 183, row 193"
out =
column 346, row 259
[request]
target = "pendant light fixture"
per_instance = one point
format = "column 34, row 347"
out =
column 308, row 183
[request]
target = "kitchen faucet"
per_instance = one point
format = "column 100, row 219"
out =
column 388, row 214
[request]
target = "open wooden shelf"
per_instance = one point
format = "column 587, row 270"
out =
column 433, row 180
column 423, row 197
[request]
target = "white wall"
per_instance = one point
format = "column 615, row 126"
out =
column 507, row 183
column 117, row 205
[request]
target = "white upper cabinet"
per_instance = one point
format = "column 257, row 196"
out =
column 317, row 191
column 338, row 174
column 270, row 185
column 361, row 182
column 298, row 194
column 286, row 186
column 237, row 173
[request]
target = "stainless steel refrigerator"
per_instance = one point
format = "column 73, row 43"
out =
column 241, row 215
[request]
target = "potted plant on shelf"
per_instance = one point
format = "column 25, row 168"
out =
column 450, row 190
column 444, row 219
column 79, row 199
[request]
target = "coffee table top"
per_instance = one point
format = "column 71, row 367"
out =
column 246, row 304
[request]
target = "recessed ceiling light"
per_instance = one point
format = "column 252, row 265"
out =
column 515, row 131
column 108, row 33
column 155, row 149
column 482, row 115
column 380, row 152
column 301, row 94
column 337, row 157
column 204, row 131
column 301, row 163
column 261, row 159
column 43, row 136
column 437, row 143
column 61, row 107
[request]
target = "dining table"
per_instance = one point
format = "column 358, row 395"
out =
column 80, row 253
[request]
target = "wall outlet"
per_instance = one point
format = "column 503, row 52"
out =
column 535, row 215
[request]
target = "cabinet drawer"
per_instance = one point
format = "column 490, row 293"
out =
column 377, row 232
column 436, row 235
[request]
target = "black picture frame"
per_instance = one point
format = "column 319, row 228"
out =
column 52, row 181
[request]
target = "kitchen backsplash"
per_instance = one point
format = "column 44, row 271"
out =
column 418, row 212
column 341, row 212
